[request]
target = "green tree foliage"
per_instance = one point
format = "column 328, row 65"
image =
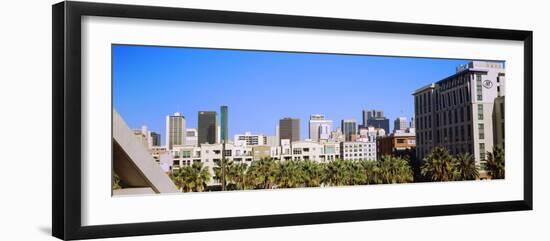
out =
column 495, row 163
column 439, row 165
column 267, row 173
column 466, row 167
column 191, row 178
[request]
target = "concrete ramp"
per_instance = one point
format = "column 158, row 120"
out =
column 134, row 164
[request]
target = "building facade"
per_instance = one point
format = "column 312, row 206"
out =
column 498, row 122
column 175, row 130
column 349, row 129
column 400, row 124
column 224, row 130
column 208, row 127
column 396, row 143
column 289, row 128
column 377, row 119
column 316, row 121
column 251, row 139
column 456, row 112
column 191, row 137
column 359, row 150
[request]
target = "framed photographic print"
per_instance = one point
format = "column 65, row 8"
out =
column 170, row 120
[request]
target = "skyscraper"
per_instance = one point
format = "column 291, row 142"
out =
column 289, row 128
column 155, row 137
column 400, row 124
column 175, row 130
column 349, row 129
column 377, row 119
column 208, row 124
column 315, row 121
column 224, row 134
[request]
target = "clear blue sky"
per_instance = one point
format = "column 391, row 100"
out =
column 260, row 87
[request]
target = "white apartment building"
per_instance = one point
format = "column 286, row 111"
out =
column 251, row 139
column 191, row 137
column 456, row 112
column 359, row 150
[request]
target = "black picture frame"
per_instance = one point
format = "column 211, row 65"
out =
column 66, row 75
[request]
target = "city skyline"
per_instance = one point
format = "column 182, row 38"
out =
column 150, row 83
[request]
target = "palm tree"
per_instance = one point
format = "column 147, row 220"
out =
column 181, row 178
column 289, row 174
column 236, row 174
column 200, row 175
column 312, row 173
column 262, row 173
column 372, row 171
column 495, row 163
column 354, row 173
column 227, row 164
column 466, row 167
column 335, row 173
column 191, row 178
column 439, row 165
column 395, row 170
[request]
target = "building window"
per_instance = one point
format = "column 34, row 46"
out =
column 462, row 132
column 416, row 104
column 468, row 113
column 456, row 116
column 481, row 151
column 480, row 111
column 429, row 102
column 479, row 88
column 481, row 130
column 454, row 97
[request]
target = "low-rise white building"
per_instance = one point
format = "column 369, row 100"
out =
column 251, row 139
column 359, row 150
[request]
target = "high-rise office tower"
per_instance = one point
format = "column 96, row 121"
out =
column 208, row 125
column 155, row 138
column 175, row 130
column 376, row 119
column 349, row 129
column 289, row 128
column 315, row 121
column 224, row 134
